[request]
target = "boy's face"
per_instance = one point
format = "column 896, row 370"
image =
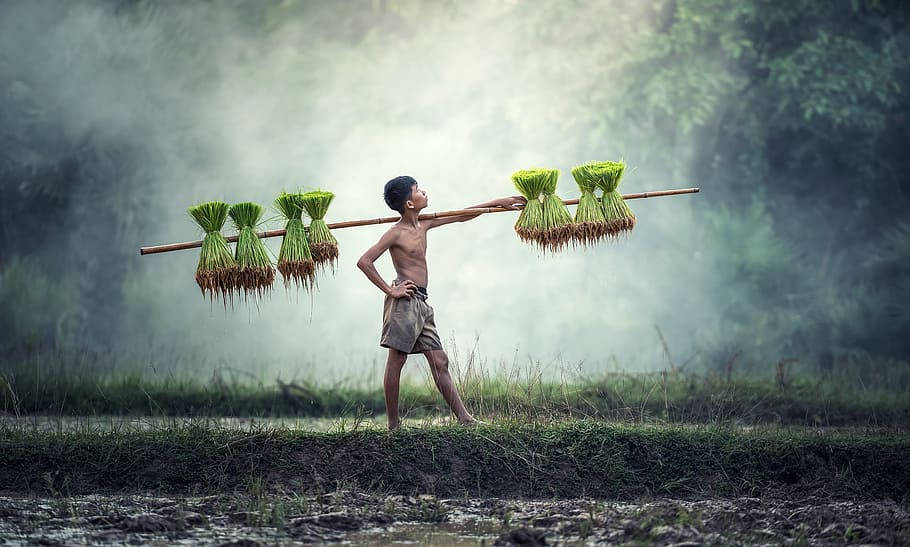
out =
column 418, row 200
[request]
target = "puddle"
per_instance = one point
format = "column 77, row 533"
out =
column 348, row 517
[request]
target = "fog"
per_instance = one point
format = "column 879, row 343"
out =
column 226, row 101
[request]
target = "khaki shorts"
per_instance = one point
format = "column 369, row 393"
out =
column 408, row 324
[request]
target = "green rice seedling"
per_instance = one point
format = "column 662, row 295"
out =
column 295, row 261
column 255, row 273
column 530, row 182
column 590, row 224
column 617, row 214
column 217, row 268
column 323, row 244
column 558, row 228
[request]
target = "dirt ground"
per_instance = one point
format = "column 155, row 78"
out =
column 260, row 518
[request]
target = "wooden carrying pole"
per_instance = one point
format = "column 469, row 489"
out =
column 426, row 216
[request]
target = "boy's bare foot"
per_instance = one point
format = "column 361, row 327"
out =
column 471, row 421
column 393, row 427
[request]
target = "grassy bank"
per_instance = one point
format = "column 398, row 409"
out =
column 568, row 460
column 619, row 397
column 859, row 395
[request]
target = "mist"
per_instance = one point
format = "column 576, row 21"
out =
column 134, row 111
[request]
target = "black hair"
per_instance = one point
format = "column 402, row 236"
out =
column 397, row 191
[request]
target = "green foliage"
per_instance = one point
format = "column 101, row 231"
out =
column 295, row 262
column 41, row 310
column 323, row 244
column 800, row 105
column 606, row 175
column 210, row 215
column 530, row 182
column 590, row 224
column 217, row 269
column 557, row 229
column 254, row 273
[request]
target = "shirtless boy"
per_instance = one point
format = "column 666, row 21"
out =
column 408, row 325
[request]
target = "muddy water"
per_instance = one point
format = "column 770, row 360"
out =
column 256, row 517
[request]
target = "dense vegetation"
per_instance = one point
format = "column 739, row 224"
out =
column 794, row 112
column 857, row 394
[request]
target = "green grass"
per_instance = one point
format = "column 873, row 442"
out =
column 864, row 394
column 572, row 459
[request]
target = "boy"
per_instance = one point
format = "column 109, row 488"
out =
column 408, row 325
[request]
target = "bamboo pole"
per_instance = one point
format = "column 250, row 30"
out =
column 155, row 249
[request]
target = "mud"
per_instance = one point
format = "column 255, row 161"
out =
column 258, row 517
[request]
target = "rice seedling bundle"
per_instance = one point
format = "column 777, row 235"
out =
column 255, row 272
column 530, row 182
column 618, row 216
column 295, row 262
column 558, row 229
column 590, row 224
column 323, row 245
column 216, row 269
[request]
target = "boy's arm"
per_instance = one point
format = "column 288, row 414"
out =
column 366, row 265
column 506, row 203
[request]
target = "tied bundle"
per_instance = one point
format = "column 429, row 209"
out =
column 619, row 218
column 217, row 268
column 530, row 182
column 323, row 245
column 295, row 261
column 255, row 273
column 590, row 223
column 558, row 229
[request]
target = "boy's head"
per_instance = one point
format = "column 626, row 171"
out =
column 401, row 193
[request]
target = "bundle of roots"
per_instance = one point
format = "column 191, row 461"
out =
column 617, row 215
column 323, row 245
column 590, row 225
column 255, row 274
column 558, row 229
column 217, row 269
column 530, row 182
column 295, row 261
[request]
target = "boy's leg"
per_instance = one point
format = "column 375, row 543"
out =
column 393, row 368
column 439, row 367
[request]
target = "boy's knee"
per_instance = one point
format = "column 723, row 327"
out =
column 397, row 357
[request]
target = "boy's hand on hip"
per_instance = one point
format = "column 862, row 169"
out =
column 405, row 288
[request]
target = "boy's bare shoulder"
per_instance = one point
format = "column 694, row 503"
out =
column 391, row 235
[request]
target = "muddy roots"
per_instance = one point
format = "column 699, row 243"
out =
column 325, row 254
column 618, row 226
column 556, row 238
column 590, row 233
column 217, row 283
column 300, row 272
column 251, row 280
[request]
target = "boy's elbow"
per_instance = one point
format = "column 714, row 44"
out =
column 363, row 263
